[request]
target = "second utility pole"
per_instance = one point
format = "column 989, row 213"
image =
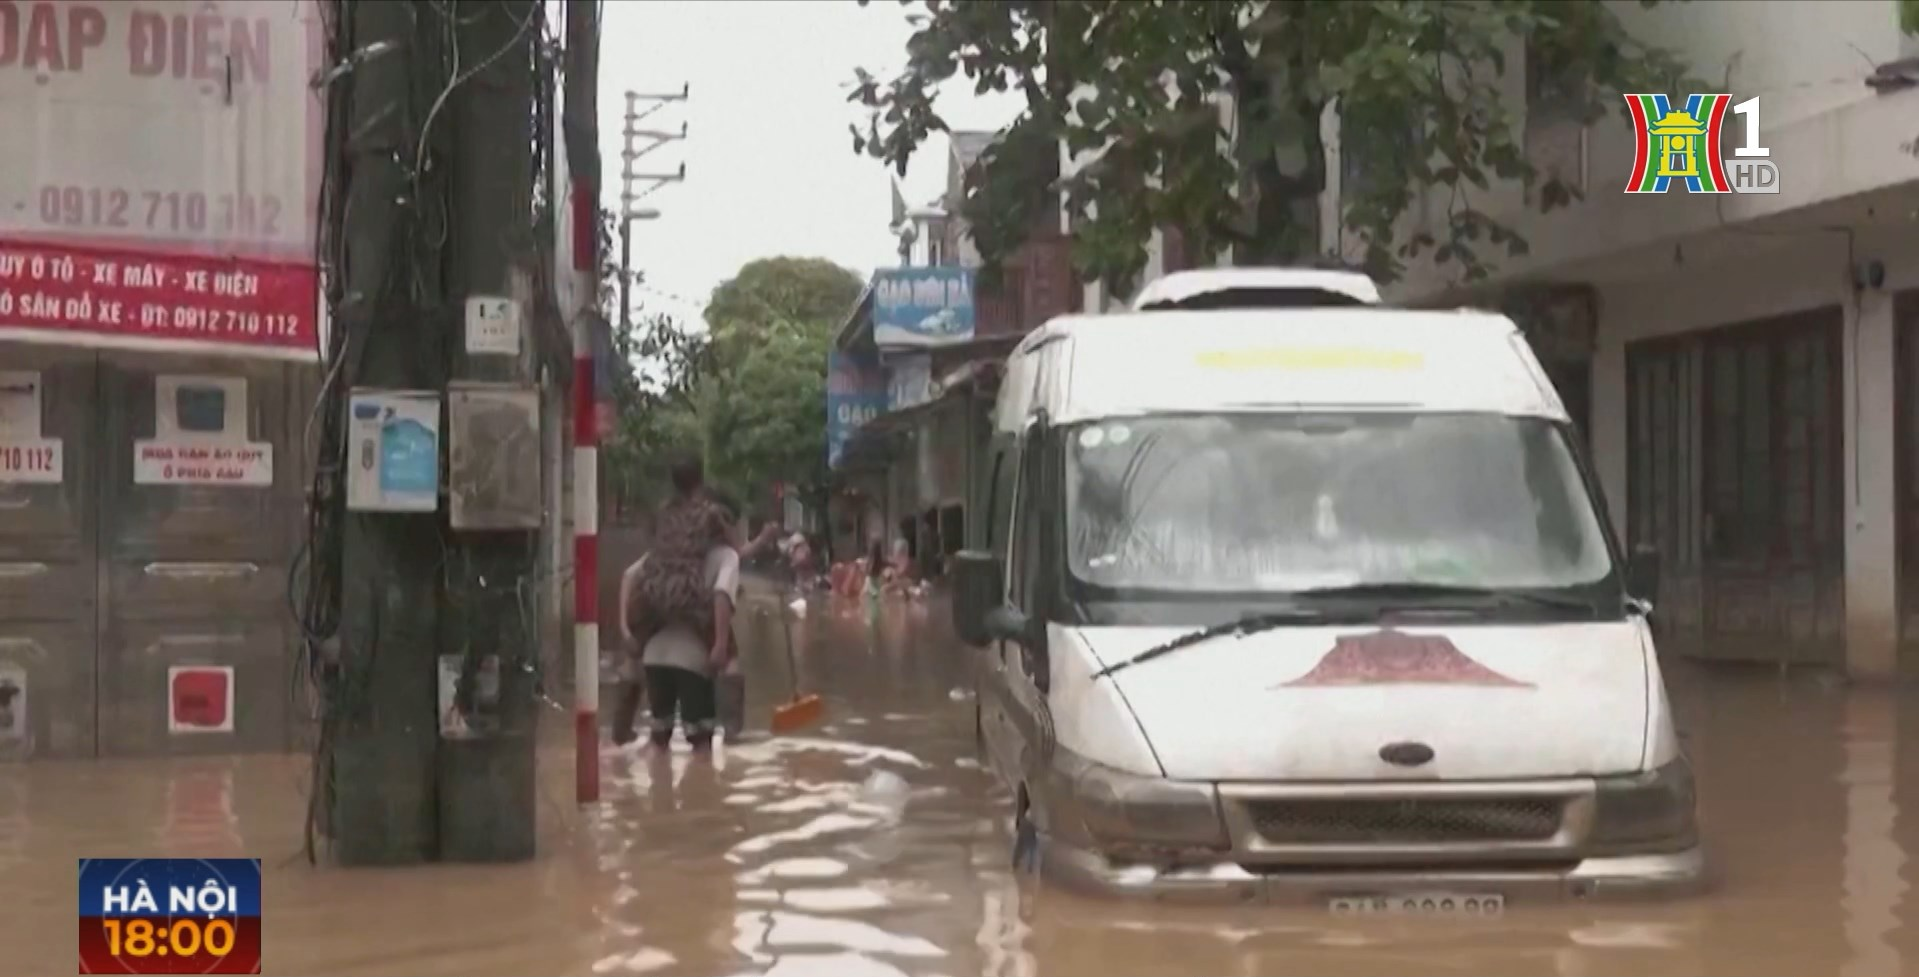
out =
column 488, row 632
column 630, row 210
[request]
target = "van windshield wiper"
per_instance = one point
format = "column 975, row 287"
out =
column 1240, row 627
column 1417, row 591
column 1257, row 622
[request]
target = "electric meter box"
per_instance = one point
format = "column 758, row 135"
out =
column 493, row 457
column 393, row 451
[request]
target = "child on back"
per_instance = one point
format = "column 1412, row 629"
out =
column 672, row 587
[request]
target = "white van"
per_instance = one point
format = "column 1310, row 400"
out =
column 1317, row 603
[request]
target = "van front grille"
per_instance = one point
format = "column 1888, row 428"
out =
column 1334, row 821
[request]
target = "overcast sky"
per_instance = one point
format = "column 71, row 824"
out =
column 770, row 168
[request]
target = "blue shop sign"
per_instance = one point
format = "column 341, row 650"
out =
column 855, row 394
column 922, row 307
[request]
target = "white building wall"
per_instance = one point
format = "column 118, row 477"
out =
column 1675, row 262
column 1830, row 135
column 1803, row 56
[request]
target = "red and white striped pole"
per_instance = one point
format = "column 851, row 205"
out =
column 586, row 500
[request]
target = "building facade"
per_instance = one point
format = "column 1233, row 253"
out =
column 1745, row 365
column 159, row 338
column 914, row 377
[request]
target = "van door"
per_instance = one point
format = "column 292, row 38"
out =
column 996, row 733
column 1022, row 696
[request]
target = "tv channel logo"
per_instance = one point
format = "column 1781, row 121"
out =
column 169, row 916
column 1686, row 145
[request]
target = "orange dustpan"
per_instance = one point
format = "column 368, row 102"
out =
column 803, row 710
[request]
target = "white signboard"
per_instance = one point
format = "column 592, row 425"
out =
column 201, row 463
column 163, row 173
column 35, row 461
column 25, row 456
column 200, row 436
column 492, row 326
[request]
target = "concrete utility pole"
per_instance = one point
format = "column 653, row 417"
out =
column 486, row 788
column 630, row 210
column 380, row 809
column 581, row 128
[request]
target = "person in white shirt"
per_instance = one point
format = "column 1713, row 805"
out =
column 731, row 681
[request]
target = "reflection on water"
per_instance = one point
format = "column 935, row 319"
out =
column 873, row 845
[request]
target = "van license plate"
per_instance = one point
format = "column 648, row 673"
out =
column 1421, row 904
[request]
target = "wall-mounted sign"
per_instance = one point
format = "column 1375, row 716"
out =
column 188, row 463
column 200, row 436
column 492, row 326
column 25, row 456
column 922, row 307
column 909, row 382
column 177, row 208
column 200, row 699
column 855, row 394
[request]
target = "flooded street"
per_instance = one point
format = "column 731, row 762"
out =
column 875, row 845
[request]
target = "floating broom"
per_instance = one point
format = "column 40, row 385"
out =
column 803, row 710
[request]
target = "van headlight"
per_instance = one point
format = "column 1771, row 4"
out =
column 1148, row 816
column 1646, row 811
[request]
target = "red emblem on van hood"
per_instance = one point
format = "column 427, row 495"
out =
column 1389, row 657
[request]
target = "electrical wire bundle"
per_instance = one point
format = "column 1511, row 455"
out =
column 314, row 579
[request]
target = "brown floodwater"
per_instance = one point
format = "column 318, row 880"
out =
column 875, row 845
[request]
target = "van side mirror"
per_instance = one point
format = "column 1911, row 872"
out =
column 1642, row 572
column 978, row 589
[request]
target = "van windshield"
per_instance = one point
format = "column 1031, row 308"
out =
column 1191, row 505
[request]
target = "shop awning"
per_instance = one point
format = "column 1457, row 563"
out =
column 857, row 330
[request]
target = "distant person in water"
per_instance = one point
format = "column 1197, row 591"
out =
column 731, row 680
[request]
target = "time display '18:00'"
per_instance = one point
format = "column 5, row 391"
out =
column 184, row 937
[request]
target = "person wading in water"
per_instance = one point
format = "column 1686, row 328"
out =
column 669, row 602
column 731, row 680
